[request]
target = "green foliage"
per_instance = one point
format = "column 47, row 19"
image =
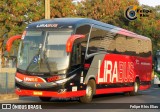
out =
column 16, row 14
column 62, row 8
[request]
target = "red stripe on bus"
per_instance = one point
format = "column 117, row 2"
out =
column 144, row 87
column 50, row 94
column 114, row 90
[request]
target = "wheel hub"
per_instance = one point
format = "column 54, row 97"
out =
column 89, row 91
column 136, row 87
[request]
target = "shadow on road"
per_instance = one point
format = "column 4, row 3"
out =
column 96, row 98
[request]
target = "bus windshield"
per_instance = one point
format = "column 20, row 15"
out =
column 44, row 52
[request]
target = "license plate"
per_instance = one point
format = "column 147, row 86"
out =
column 37, row 93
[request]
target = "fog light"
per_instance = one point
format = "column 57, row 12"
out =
column 71, row 84
column 18, row 89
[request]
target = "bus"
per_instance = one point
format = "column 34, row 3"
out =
column 80, row 57
column 157, row 68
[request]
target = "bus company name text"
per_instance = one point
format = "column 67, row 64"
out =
column 46, row 25
column 116, row 71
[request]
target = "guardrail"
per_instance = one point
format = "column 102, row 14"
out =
column 7, row 80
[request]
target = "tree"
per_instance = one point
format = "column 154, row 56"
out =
column 15, row 15
column 62, row 8
column 104, row 10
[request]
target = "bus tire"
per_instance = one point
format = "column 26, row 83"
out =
column 90, row 90
column 158, row 85
column 45, row 99
column 136, row 88
column 126, row 94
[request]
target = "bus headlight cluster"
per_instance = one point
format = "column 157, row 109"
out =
column 65, row 80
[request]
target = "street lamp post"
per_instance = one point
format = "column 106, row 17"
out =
column 47, row 9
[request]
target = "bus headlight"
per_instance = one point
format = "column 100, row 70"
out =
column 62, row 72
column 17, row 79
column 63, row 76
column 65, row 80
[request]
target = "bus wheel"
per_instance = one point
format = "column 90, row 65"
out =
column 90, row 89
column 126, row 94
column 158, row 85
column 136, row 87
column 45, row 99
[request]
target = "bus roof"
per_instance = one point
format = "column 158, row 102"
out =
column 60, row 23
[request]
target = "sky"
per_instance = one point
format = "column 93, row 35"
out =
column 149, row 2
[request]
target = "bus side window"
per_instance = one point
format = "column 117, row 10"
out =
column 95, row 41
column 84, row 30
column 155, row 63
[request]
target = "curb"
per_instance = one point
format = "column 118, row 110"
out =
column 8, row 96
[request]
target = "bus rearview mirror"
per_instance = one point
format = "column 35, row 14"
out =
column 10, row 42
column 71, row 40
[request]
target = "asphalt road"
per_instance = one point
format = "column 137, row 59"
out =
column 101, row 103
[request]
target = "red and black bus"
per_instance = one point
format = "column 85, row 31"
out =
column 80, row 57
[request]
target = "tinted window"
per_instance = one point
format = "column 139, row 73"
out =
column 102, row 40
column 84, row 30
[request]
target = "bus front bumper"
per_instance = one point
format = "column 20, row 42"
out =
column 53, row 94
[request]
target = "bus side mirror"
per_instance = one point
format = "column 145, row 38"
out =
column 71, row 40
column 10, row 42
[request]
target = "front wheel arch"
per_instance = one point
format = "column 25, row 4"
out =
column 90, row 91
